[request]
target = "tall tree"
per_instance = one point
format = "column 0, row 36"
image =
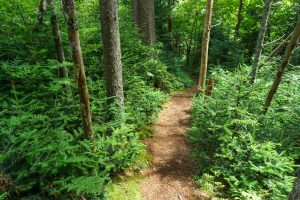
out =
column 143, row 14
column 170, row 25
column 239, row 20
column 112, row 50
column 205, row 45
column 134, row 8
column 63, row 72
column 80, row 78
column 40, row 14
column 260, row 40
column 285, row 61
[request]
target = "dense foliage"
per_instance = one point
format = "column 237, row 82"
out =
column 42, row 152
column 225, row 49
column 241, row 152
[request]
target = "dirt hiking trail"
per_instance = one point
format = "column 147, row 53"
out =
column 170, row 176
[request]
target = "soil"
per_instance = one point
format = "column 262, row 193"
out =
column 170, row 175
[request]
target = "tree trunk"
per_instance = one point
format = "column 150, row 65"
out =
column 134, row 8
column 260, row 40
column 277, row 49
column 80, row 78
column 285, row 61
column 112, row 51
column 62, row 72
column 170, row 26
column 210, row 87
column 40, row 14
column 239, row 20
column 295, row 193
column 188, row 54
column 205, row 45
column 143, row 14
column 194, row 52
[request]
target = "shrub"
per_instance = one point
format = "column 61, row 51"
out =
column 42, row 153
column 57, row 164
column 233, row 141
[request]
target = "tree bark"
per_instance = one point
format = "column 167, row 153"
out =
column 260, row 40
column 205, row 45
column 239, row 20
column 295, row 193
column 170, row 26
column 62, row 72
column 188, row 53
column 134, row 8
column 285, row 61
column 80, row 78
column 194, row 52
column 210, row 88
column 40, row 14
column 143, row 14
column 112, row 51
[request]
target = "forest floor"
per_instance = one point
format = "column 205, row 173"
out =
column 170, row 175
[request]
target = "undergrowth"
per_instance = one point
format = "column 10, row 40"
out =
column 243, row 154
column 42, row 152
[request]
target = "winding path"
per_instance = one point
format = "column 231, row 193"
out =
column 170, row 176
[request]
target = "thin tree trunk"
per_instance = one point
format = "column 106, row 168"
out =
column 194, row 55
column 62, row 72
column 143, row 13
column 188, row 53
column 40, row 14
column 210, row 87
column 190, row 45
column 239, row 20
column 295, row 193
column 170, row 26
column 260, row 40
column 205, row 45
column 134, row 6
column 80, row 78
column 277, row 49
column 285, row 61
column 112, row 51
